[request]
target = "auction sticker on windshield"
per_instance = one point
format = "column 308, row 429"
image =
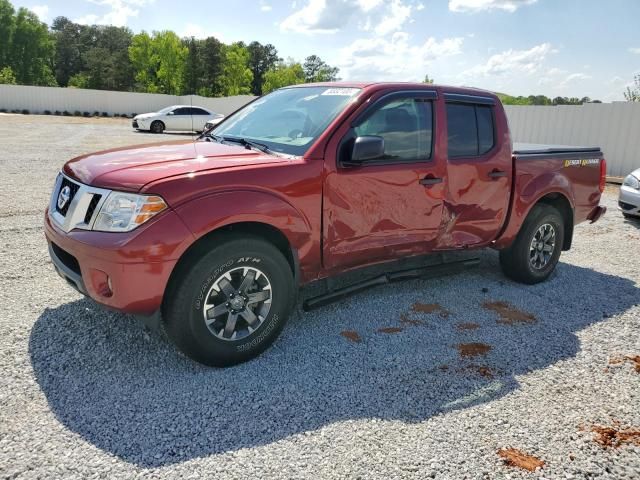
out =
column 344, row 92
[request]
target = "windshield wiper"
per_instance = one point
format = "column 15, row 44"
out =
column 248, row 143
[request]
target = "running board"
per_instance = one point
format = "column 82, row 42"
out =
column 446, row 267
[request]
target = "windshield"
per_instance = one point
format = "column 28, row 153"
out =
column 288, row 120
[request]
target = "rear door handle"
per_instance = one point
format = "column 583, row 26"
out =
column 497, row 174
column 428, row 181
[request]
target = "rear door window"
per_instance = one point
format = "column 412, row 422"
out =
column 470, row 129
column 199, row 111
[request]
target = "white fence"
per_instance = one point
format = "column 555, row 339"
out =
column 39, row 99
column 615, row 127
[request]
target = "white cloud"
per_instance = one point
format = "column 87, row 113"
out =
column 572, row 78
column 635, row 50
column 513, row 62
column 398, row 14
column 42, row 11
column 480, row 5
column 119, row 13
column 330, row 16
column 264, row 6
column 386, row 59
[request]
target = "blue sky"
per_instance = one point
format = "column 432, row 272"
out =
column 551, row 47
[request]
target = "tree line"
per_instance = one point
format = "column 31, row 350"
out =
column 104, row 57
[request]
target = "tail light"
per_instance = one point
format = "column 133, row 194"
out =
column 603, row 174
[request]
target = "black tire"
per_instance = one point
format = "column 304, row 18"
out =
column 516, row 260
column 157, row 126
column 192, row 290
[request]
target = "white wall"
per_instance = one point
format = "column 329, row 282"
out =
column 614, row 127
column 39, row 99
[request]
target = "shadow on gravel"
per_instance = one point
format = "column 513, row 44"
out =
column 132, row 395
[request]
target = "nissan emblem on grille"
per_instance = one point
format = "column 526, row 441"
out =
column 64, row 196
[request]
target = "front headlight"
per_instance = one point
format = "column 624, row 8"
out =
column 122, row 212
column 631, row 181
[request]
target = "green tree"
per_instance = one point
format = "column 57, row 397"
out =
column 193, row 72
column 32, row 50
column 107, row 63
column 158, row 61
column 633, row 93
column 262, row 58
column 427, row 79
column 212, row 58
column 316, row 70
column 7, row 27
column 283, row 75
column 71, row 42
column 237, row 74
column 79, row 80
column 7, row 77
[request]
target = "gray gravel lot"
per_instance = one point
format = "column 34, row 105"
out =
column 86, row 393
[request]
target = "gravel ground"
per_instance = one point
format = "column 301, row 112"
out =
column 451, row 380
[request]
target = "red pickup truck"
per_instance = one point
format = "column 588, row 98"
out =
column 305, row 184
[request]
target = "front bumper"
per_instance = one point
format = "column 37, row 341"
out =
column 629, row 200
column 128, row 271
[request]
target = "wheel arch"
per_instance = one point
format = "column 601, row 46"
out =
column 250, row 228
column 561, row 203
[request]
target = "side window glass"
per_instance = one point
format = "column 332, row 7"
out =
column 462, row 130
column 470, row 129
column 182, row 111
column 198, row 111
column 405, row 125
column 484, row 116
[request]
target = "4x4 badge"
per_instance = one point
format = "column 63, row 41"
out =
column 63, row 197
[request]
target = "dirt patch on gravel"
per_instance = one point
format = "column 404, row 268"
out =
column 390, row 330
column 351, row 335
column 614, row 436
column 516, row 458
column 635, row 360
column 509, row 315
column 467, row 326
column 430, row 308
column 405, row 320
column 473, row 349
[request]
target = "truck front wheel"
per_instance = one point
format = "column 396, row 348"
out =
column 230, row 302
column 534, row 254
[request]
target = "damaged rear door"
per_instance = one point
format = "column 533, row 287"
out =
column 479, row 171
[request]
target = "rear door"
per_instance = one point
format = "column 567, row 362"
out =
column 199, row 117
column 479, row 171
column 389, row 207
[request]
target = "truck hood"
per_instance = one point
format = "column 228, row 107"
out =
column 131, row 168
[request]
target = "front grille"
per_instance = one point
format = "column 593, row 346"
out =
column 92, row 208
column 66, row 258
column 135, row 124
column 73, row 187
column 626, row 206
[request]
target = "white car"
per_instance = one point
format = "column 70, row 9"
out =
column 184, row 118
column 629, row 199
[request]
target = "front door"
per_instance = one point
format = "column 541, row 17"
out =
column 180, row 119
column 388, row 207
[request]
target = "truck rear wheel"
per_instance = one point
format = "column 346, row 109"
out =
column 534, row 254
column 229, row 303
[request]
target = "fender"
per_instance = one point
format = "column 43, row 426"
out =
column 528, row 191
column 218, row 210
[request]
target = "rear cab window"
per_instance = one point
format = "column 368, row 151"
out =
column 470, row 128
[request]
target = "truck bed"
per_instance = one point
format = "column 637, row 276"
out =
column 538, row 150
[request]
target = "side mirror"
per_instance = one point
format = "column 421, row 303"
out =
column 368, row 147
column 170, row 113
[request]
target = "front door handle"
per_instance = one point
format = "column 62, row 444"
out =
column 430, row 180
column 497, row 174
